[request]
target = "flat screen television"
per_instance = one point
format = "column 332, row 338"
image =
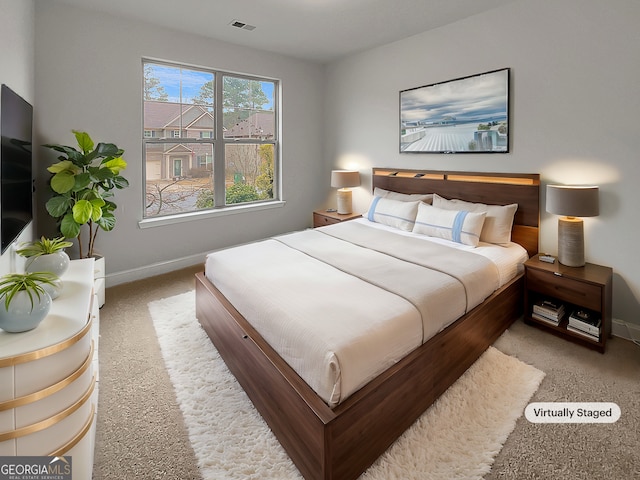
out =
column 16, row 176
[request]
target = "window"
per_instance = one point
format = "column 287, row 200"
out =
column 205, row 161
column 210, row 139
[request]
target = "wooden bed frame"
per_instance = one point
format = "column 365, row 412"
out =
column 341, row 443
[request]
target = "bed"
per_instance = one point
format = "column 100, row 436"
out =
column 338, row 436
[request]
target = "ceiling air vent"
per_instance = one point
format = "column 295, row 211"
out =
column 242, row 25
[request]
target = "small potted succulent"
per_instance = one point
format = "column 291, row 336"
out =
column 46, row 255
column 24, row 301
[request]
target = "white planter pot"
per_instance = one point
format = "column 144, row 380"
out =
column 56, row 263
column 54, row 290
column 21, row 316
column 99, row 271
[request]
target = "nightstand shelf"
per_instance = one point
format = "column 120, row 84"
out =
column 578, row 288
column 323, row 217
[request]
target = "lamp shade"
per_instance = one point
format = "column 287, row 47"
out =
column 573, row 200
column 345, row 178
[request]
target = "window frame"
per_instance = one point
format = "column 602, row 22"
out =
column 219, row 144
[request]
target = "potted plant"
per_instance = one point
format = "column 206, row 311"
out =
column 25, row 301
column 46, row 255
column 83, row 182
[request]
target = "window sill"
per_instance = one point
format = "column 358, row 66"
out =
column 202, row 215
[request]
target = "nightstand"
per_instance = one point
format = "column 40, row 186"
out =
column 322, row 217
column 587, row 289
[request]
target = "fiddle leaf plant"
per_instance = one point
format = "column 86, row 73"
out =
column 83, row 182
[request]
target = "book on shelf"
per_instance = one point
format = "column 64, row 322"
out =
column 586, row 322
column 549, row 309
column 595, row 338
column 586, row 316
column 545, row 319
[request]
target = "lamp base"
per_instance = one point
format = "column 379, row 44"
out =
column 571, row 241
column 344, row 201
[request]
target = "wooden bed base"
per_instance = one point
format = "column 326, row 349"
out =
column 341, row 443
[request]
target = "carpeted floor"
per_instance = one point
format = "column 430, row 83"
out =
column 141, row 433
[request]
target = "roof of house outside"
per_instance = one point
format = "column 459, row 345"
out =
column 166, row 116
column 161, row 115
column 258, row 125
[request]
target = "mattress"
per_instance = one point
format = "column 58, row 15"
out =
column 342, row 303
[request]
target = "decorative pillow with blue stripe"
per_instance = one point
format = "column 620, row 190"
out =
column 497, row 224
column 459, row 226
column 394, row 213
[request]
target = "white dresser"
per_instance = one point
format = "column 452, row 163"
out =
column 49, row 378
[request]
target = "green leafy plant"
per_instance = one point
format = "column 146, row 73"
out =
column 12, row 283
column 83, row 182
column 240, row 193
column 44, row 246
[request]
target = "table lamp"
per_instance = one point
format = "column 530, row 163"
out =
column 572, row 202
column 343, row 180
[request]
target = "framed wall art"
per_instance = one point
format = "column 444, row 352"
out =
column 465, row 115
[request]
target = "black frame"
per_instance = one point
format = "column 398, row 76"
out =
column 16, row 166
column 444, row 117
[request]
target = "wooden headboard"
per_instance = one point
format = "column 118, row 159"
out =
column 489, row 188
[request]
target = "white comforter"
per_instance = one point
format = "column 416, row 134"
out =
column 342, row 303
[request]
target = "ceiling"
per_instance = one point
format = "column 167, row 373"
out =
column 315, row 30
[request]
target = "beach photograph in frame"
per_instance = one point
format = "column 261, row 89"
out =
column 465, row 115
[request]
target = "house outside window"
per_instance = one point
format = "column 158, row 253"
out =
column 214, row 139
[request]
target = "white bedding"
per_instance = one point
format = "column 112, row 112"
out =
column 509, row 259
column 344, row 302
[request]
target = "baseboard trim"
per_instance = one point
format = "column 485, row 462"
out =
column 154, row 269
column 626, row 330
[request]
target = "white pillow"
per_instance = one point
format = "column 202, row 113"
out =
column 394, row 213
column 497, row 223
column 459, row 226
column 403, row 197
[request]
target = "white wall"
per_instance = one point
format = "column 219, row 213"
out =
column 89, row 77
column 16, row 71
column 575, row 105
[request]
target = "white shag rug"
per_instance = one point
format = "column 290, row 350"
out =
column 458, row 437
